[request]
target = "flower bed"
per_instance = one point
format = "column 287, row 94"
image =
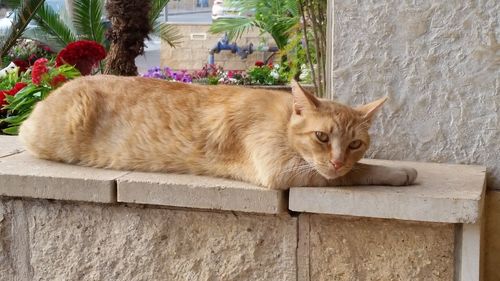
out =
column 259, row 75
column 21, row 88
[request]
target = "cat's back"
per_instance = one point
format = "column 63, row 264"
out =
column 111, row 121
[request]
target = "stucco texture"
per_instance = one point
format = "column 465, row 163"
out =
column 79, row 241
column 345, row 249
column 439, row 63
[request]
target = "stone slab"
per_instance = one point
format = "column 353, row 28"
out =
column 86, row 242
column 199, row 192
column 492, row 236
column 10, row 145
column 442, row 193
column 22, row 175
column 347, row 248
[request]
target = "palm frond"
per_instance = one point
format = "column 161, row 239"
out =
column 235, row 27
column 22, row 17
column 87, row 20
column 156, row 7
column 12, row 4
column 51, row 30
column 168, row 33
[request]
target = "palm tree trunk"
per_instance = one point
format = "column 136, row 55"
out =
column 130, row 26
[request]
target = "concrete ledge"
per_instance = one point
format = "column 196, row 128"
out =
column 199, row 192
column 443, row 193
column 22, row 175
column 9, row 146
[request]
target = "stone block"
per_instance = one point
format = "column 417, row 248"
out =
column 10, row 145
column 199, row 192
column 22, row 175
column 81, row 241
column 344, row 248
column 492, row 236
column 6, row 262
column 442, row 193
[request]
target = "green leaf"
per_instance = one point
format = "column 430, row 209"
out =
column 23, row 15
column 87, row 19
column 52, row 29
column 156, row 7
column 168, row 33
column 14, row 130
column 234, row 27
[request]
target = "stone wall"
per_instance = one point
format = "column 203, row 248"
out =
column 57, row 240
column 192, row 53
column 43, row 240
column 377, row 249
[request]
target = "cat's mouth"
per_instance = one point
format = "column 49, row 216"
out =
column 330, row 173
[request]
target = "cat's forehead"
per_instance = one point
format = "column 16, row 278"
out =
column 340, row 115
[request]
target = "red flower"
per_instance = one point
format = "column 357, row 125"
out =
column 57, row 80
column 84, row 55
column 2, row 99
column 22, row 64
column 11, row 92
column 39, row 69
column 259, row 63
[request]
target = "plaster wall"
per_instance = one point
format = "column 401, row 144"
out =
column 439, row 63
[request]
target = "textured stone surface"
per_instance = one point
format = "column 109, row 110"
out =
column 439, row 63
column 442, row 193
column 6, row 266
column 22, row 175
column 492, row 236
column 79, row 241
column 199, row 192
column 343, row 248
column 9, row 146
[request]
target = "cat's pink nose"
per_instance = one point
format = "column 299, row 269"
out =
column 337, row 164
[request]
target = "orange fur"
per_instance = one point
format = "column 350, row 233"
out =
column 264, row 137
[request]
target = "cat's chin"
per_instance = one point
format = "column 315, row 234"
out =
column 331, row 175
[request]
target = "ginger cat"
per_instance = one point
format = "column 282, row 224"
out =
column 269, row 138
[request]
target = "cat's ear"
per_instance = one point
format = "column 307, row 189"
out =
column 369, row 109
column 302, row 99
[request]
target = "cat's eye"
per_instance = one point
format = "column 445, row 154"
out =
column 355, row 144
column 322, row 137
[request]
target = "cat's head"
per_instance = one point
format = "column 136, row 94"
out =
column 330, row 136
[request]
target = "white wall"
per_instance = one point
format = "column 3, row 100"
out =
column 438, row 61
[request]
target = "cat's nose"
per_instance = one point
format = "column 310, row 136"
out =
column 337, row 164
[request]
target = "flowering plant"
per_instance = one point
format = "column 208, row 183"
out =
column 263, row 74
column 167, row 74
column 84, row 55
column 26, row 52
column 19, row 92
column 209, row 74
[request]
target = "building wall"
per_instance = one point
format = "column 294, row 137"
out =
column 193, row 52
column 174, row 5
column 439, row 63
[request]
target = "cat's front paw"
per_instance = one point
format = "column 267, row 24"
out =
column 402, row 176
